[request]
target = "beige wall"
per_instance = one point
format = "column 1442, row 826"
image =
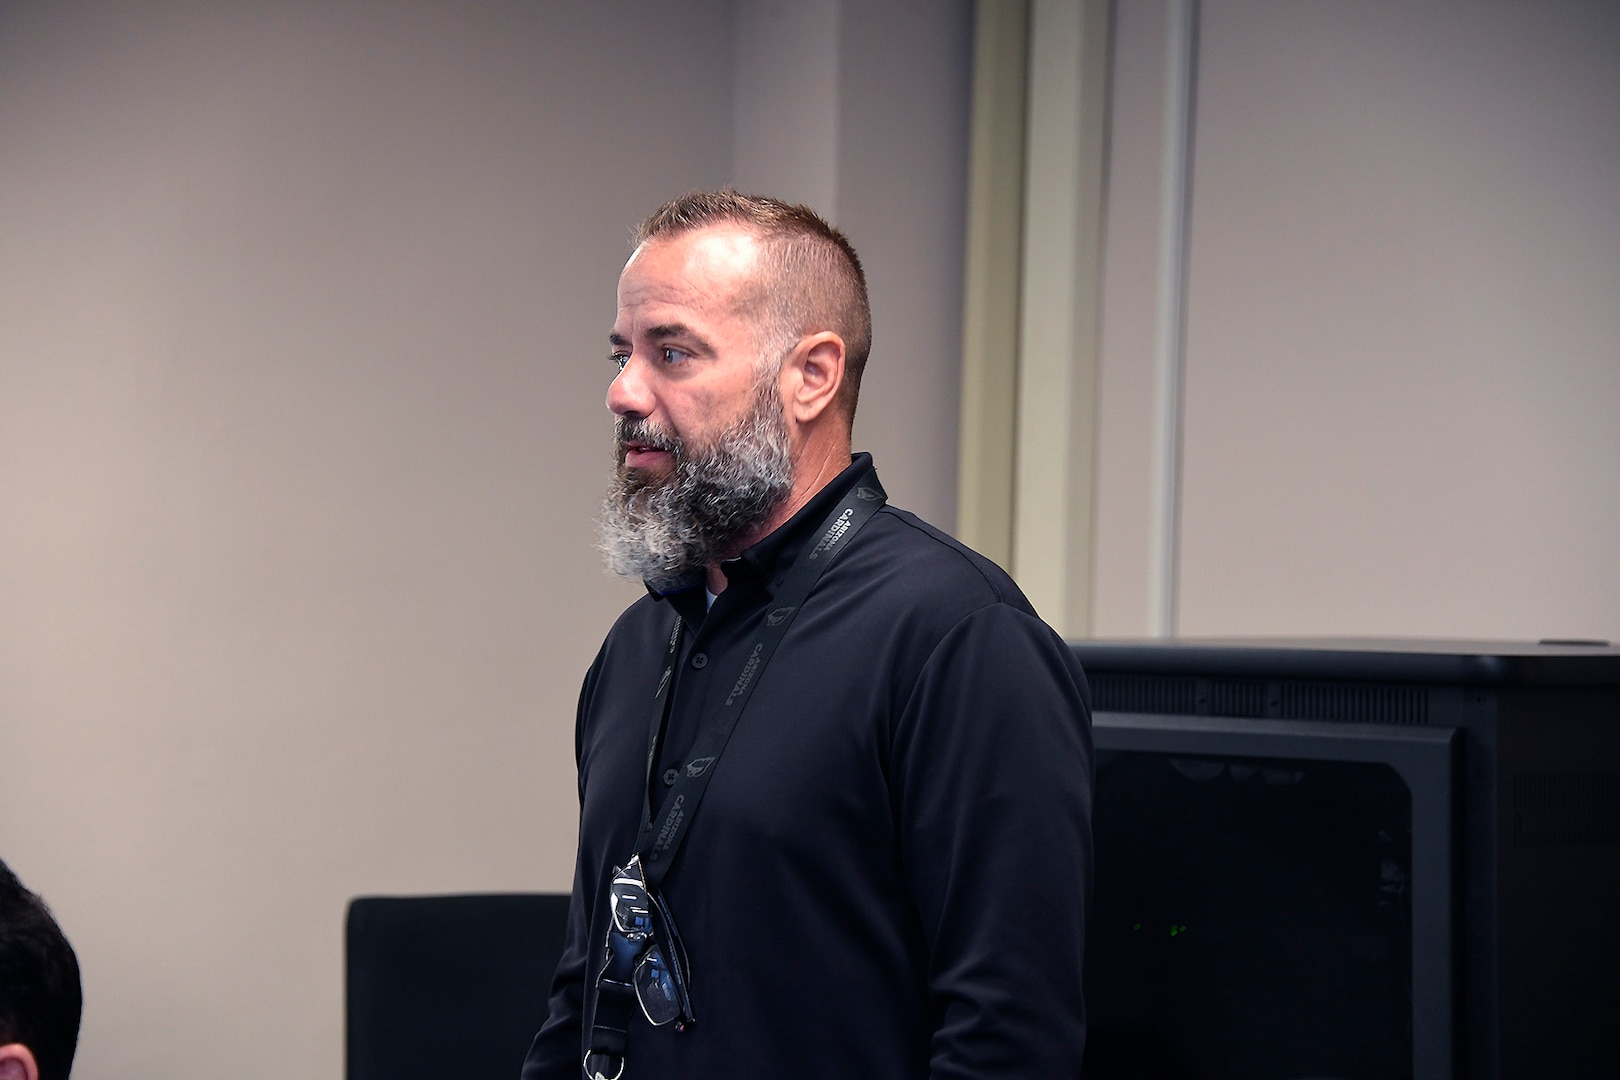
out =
column 1402, row 342
column 873, row 132
column 302, row 318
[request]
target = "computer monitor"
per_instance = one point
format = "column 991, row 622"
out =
column 1353, row 859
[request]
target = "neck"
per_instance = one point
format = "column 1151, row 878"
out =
column 813, row 471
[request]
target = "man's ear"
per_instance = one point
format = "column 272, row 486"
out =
column 812, row 376
column 17, row 1063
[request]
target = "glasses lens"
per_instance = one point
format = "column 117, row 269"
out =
column 655, row 988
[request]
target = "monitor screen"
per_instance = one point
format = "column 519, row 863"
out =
column 1273, row 900
column 1252, row 919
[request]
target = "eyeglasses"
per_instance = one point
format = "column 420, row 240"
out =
column 644, row 952
column 643, row 934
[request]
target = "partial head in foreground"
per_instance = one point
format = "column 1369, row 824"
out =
column 742, row 331
column 40, row 997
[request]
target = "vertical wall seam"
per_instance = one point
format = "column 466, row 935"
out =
column 992, row 281
column 1049, row 365
column 1053, row 553
column 1181, row 45
column 1096, row 51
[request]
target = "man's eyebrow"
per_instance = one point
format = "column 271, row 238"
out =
column 664, row 332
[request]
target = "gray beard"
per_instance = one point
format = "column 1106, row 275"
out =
column 667, row 530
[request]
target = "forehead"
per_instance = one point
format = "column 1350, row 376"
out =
column 703, row 270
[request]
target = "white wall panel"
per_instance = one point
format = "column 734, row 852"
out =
column 1403, row 354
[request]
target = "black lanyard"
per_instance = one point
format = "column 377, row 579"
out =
column 658, row 843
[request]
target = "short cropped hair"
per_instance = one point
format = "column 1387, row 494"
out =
column 40, row 997
column 811, row 279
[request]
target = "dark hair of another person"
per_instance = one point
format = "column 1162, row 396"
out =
column 40, row 997
column 811, row 279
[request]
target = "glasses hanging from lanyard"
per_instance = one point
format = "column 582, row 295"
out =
column 644, row 953
column 640, row 920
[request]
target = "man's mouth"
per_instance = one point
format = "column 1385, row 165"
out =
column 639, row 455
column 643, row 448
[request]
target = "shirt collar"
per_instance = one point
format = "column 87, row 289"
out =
column 776, row 552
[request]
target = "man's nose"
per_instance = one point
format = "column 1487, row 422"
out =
column 628, row 394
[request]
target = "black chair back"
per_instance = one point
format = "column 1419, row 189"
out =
column 448, row 985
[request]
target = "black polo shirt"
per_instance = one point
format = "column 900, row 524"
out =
column 889, row 873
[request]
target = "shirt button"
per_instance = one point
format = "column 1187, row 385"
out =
column 700, row 660
column 669, row 777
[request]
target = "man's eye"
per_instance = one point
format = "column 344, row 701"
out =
column 619, row 360
column 672, row 355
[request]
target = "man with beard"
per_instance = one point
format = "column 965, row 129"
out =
column 835, row 774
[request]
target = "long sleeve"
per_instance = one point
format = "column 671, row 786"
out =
column 993, row 780
column 555, row 1053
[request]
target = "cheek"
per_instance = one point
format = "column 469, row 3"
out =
column 698, row 417
column 691, row 417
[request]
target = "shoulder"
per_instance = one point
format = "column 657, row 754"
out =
column 927, row 566
column 909, row 598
